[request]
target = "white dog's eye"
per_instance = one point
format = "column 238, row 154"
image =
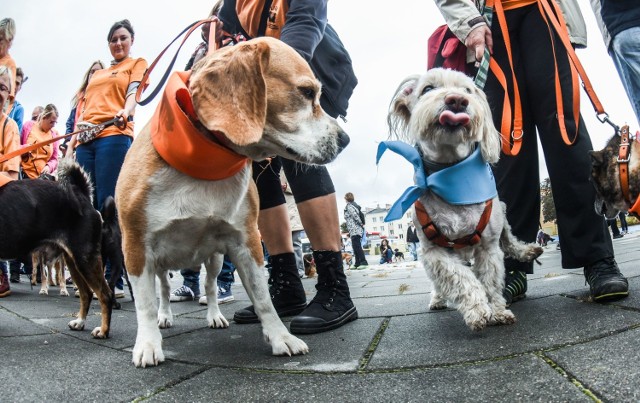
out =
column 426, row 89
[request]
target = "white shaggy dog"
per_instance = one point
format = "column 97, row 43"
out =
column 447, row 117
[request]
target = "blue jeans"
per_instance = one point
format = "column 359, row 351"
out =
column 625, row 52
column 102, row 159
column 191, row 276
column 413, row 249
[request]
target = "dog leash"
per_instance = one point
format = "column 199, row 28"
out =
column 93, row 130
column 186, row 32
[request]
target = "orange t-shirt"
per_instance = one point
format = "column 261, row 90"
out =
column 105, row 94
column 9, row 142
column 511, row 4
column 8, row 61
column 39, row 157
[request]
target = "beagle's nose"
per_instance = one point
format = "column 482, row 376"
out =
column 343, row 140
column 456, row 102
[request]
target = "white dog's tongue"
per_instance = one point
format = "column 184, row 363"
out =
column 454, row 119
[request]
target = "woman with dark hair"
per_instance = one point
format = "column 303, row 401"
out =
column 386, row 254
column 111, row 93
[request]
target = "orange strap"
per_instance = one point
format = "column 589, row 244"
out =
column 433, row 234
column 143, row 83
column 511, row 138
column 623, row 162
column 35, row 146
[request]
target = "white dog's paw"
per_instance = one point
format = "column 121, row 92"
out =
column 44, row 291
column 287, row 344
column 217, row 321
column 478, row 318
column 97, row 333
column 505, row 317
column 76, row 324
column 64, row 292
column 165, row 321
column 147, row 354
column 437, row 303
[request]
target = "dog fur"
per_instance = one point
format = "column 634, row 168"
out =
column 51, row 271
column 57, row 219
column 415, row 116
column 265, row 99
column 347, row 258
column 605, row 176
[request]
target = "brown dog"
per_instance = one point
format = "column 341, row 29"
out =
column 605, row 176
column 250, row 101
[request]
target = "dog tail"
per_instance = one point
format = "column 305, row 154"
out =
column 513, row 247
column 70, row 173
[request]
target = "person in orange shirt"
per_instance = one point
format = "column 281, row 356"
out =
column 111, row 93
column 77, row 103
column 7, row 33
column 44, row 160
column 9, row 142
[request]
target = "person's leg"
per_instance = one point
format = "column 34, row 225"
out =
column 190, row 288
column 5, row 289
column 314, row 193
column 614, row 228
column 625, row 51
column 285, row 286
column 624, row 226
column 356, row 243
column 585, row 239
column 225, row 280
column 109, row 157
column 14, row 270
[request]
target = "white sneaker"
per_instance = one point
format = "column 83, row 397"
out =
column 203, row 300
column 119, row 292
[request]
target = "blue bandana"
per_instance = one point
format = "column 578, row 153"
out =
column 470, row 181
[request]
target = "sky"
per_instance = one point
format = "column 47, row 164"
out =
column 56, row 42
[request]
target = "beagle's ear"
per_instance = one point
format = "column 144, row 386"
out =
column 401, row 105
column 229, row 92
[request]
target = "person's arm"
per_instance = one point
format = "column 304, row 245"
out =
column 465, row 21
column 71, row 121
column 304, row 26
column 52, row 164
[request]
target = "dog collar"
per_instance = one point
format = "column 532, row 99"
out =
column 181, row 144
column 470, row 181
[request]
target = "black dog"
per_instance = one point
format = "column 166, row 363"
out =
column 397, row 256
column 58, row 219
column 112, row 246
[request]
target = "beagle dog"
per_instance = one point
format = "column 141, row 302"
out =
column 184, row 199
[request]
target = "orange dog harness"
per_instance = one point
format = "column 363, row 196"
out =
column 624, row 153
column 184, row 146
column 434, row 235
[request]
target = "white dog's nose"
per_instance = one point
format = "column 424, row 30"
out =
column 456, row 102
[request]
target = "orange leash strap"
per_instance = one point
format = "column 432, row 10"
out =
column 35, row 146
column 558, row 27
column 557, row 20
column 514, row 135
column 186, row 32
column 623, row 162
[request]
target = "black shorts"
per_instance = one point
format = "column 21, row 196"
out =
column 306, row 181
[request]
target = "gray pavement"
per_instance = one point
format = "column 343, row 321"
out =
column 563, row 347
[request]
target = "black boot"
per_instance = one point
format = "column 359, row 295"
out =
column 332, row 306
column 285, row 287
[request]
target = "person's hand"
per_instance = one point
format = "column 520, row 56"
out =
column 478, row 39
column 46, row 170
column 123, row 116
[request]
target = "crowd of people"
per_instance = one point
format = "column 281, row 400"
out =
column 107, row 92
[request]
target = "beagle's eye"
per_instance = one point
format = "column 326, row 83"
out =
column 308, row 92
column 426, row 89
